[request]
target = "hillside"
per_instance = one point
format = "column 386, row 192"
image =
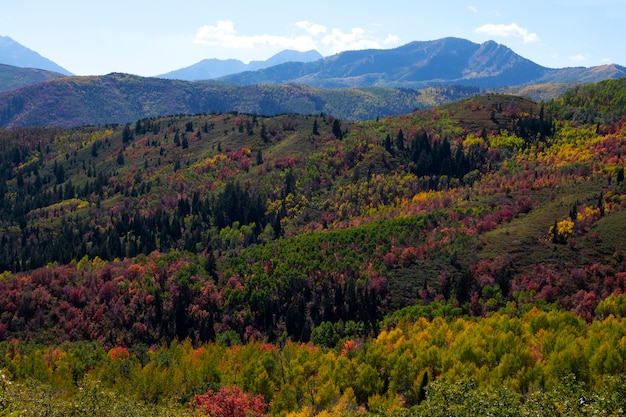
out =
column 303, row 264
column 13, row 78
column 122, row 98
column 430, row 191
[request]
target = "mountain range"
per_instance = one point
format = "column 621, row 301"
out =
column 354, row 85
column 15, row 54
column 424, row 63
column 216, row 68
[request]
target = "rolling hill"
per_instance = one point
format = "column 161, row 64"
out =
column 428, row 263
column 123, row 98
column 13, row 78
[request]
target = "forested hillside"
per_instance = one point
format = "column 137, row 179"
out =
column 122, row 98
column 305, row 264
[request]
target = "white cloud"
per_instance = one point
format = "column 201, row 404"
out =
column 577, row 58
column 356, row 39
column 505, row 31
column 391, row 40
column 224, row 34
column 315, row 36
column 472, row 9
column 311, row 28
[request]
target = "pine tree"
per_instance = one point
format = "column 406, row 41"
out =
column 127, row 134
column 400, row 140
column 337, row 129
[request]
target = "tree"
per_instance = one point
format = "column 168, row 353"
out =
column 388, row 144
column 127, row 134
column 400, row 140
column 230, row 402
column 315, row 128
column 337, row 129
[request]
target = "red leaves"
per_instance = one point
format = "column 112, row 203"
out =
column 229, row 402
column 119, row 353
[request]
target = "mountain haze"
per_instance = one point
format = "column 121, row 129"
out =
column 215, row 68
column 353, row 85
column 12, row 78
column 15, row 54
column 422, row 63
column 124, row 98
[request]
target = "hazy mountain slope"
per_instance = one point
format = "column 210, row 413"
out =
column 206, row 69
column 448, row 60
column 13, row 78
column 122, row 98
column 443, row 61
column 215, row 68
column 15, row 54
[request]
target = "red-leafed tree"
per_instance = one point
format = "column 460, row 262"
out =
column 229, row 401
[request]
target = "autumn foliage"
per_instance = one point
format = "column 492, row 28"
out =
column 229, row 402
column 245, row 264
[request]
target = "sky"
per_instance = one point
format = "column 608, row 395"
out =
column 154, row 37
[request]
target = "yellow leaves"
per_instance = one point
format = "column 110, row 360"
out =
column 561, row 231
column 506, row 140
column 85, row 263
column 426, row 196
column 565, row 227
column 472, row 140
column 391, row 338
column 588, row 214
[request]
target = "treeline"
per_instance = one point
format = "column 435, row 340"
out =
column 541, row 361
column 194, row 224
column 600, row 103
column 59, row 205
column 180, row 295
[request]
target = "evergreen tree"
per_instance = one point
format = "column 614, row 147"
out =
column 400, row 140
column 337, row 129
column 127, row 134
column 388, row 144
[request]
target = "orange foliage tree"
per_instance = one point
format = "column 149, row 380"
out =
column 230, row 401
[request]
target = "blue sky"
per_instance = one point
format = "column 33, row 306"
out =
column 153, row 37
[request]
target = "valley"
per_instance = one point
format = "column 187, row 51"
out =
column 424, row 263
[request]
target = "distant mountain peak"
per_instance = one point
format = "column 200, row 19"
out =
column 15, row 54
column 216, row 68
